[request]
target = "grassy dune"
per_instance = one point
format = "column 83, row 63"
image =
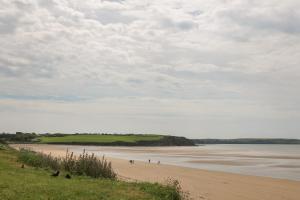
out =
column 89, row 138
column 27, row 183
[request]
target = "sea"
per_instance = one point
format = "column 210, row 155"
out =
column 268, row 160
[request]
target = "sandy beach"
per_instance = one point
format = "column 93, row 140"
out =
column 201, row 184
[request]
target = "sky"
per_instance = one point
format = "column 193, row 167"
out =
column 199, row 69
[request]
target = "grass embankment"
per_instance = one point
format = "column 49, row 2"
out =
column 18, row 183
column 93, row 138
column 115, row 140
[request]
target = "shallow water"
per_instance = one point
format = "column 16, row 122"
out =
column 277, row 161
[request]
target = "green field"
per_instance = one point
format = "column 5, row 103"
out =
column 91, row 138
column 28, row 183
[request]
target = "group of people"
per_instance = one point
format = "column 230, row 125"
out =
column 132, row 161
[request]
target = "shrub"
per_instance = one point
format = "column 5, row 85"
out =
column 88, row 165
column 85, row 164
column 39, row 159
column 2, row 147
column 176, row 191
column 170, row 190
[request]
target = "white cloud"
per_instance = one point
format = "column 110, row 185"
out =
column 218, row 54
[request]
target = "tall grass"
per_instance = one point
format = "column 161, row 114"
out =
column 85, row 164
column 171, row 189
column 175, row 190
column 39, row 159
column 88, row 165
column 2, row 146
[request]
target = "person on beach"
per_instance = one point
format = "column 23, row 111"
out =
column 131, row 161
column 149, row 160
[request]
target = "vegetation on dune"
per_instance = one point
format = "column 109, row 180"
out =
column 36, row 183
column 84, row 164
column 88, row 165
column 38, row 159
column 3, row 147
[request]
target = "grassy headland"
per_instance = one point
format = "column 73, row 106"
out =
column 248, row 141
column 116, row 140
column 36, row 183
column 98, row 139
column 95, row 138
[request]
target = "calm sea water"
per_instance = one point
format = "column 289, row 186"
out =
column 277, row 161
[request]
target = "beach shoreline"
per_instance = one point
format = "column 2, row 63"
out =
column 201, row 184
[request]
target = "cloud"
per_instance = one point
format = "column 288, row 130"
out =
column 181, row 25
column 237, row 59
column 266, row 16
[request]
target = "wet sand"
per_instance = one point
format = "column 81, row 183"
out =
column 220, row 162
column 201, row 184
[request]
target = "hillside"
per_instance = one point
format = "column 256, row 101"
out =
column 116, row 140
column 247, row 141
column 95, row 138
column 98, row 139
column 20, row 183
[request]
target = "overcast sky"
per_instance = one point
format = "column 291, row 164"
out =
column 200, row 69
